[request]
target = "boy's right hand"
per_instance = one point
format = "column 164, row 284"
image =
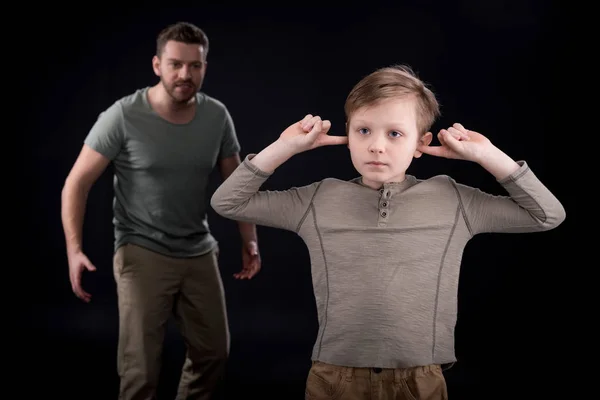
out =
column 310, row 133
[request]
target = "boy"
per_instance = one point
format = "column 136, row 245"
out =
column 386, row 247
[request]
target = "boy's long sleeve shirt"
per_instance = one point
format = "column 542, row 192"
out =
column 385, row 263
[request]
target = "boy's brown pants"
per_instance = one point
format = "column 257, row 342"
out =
column 329, row 382
column 150, row 288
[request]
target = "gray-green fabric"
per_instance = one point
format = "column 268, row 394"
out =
column 385, row 263
column 162, row 170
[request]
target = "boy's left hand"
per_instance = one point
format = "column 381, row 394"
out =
column 459, row 143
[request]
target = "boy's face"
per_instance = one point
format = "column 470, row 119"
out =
column 383, row 140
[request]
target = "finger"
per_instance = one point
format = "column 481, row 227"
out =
column 326, row 126
column 304, row 120
column 445, row 135
column 437, row 151
column 335, row 140
column 89, row 266
column 449, row 140
column 240, row 275
column 252, row 273
column 454, row 133
column 440, row 137
column 253, row 269
column 77, row 287
column 309, row 123
column 461, row 128
column 458, row 134
column 80, row 293
column 315, row 131
column 243, row 274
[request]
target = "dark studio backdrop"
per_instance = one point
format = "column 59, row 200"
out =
column 486, row 61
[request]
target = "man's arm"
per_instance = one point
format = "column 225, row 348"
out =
column 226, row 167
column 85, row 172
column 102, row 144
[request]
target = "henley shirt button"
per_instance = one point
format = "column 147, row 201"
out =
column 383, row 214
column 384, row 204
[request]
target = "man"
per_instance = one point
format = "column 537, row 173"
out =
column 163, row 141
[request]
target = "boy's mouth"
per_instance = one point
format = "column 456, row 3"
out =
column 376, row 163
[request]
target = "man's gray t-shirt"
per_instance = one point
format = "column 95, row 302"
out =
column 162, row 171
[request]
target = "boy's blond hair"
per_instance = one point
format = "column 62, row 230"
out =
column 394, row 81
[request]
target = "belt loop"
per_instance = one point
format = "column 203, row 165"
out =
column 348, row 372
column 397, row 376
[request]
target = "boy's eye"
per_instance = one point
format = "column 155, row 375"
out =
column 364, row 131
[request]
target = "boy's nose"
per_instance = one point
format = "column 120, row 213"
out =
column 377, row 146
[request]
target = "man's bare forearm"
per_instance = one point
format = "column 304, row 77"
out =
column 73, row 203
column 247, row 232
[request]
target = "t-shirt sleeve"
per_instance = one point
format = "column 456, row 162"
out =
column 229, row 144
column 106, row 135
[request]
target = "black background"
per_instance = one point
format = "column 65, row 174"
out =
column 490, row 63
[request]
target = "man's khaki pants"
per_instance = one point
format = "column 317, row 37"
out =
column 150, row 287
column 332, row 382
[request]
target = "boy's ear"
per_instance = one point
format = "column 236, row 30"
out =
column 425, row 140
column 346, row 129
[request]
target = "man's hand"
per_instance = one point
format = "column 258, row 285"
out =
column 251, row 261
column 78, row 262
column 309, row 134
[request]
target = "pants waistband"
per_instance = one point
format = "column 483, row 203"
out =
column 385, row 374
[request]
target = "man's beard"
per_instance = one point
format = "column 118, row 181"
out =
column 181, row 97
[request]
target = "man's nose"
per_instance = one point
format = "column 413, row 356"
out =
column 185, row 72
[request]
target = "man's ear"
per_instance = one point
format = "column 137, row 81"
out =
column 425, row 140
column 156, row 65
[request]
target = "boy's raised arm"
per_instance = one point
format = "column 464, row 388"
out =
column 238, row 197
column 530, row 206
